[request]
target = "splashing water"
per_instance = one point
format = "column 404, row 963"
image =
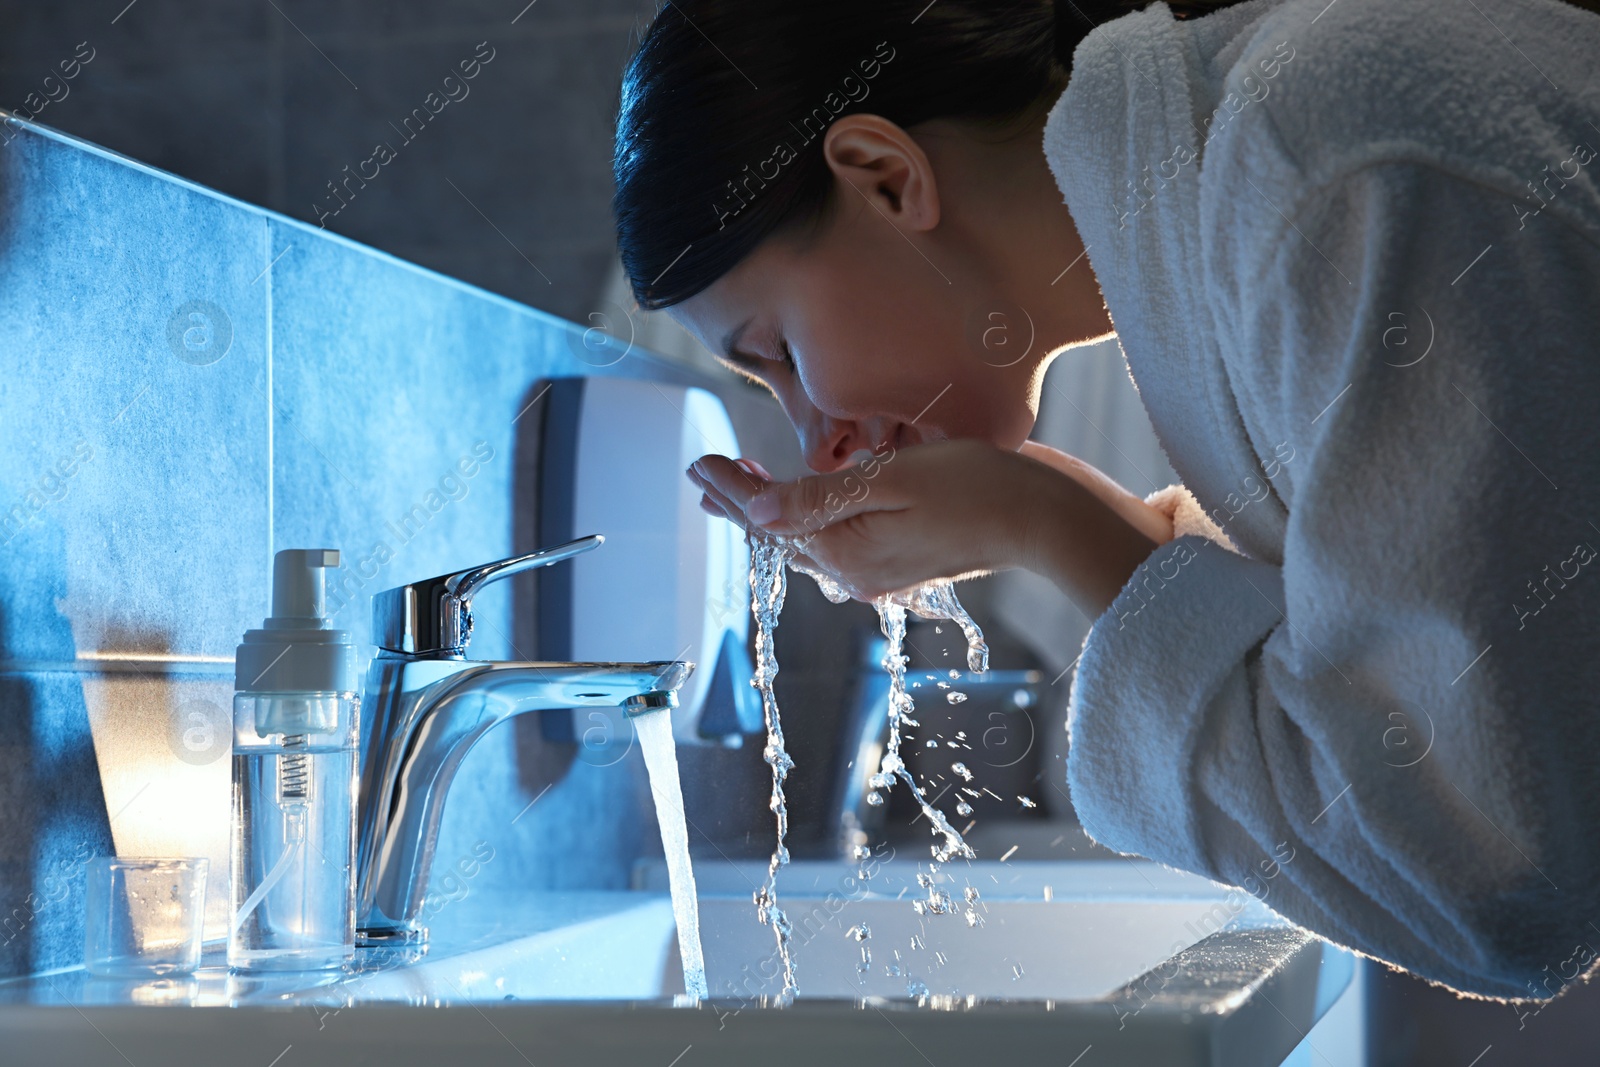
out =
column 936, row 600
column 770, row 559
column 661, row 761
column 933, row 600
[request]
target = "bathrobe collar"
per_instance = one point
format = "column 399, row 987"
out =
column 1126, row 151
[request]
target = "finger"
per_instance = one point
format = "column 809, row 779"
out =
column 733, row 481
column 756, row 469
column 730, row 509
column 712, row 508
column 815, row 503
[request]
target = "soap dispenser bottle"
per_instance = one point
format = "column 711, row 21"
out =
column 295, row 719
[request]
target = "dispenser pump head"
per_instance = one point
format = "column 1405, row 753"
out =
column 299, row 593
column 297, row 650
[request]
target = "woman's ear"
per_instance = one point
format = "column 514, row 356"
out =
column 885, row 166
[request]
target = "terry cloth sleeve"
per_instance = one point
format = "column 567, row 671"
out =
column 1392, row 739
column 1188, row 517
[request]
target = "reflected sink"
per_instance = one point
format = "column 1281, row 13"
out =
column 1132, row 961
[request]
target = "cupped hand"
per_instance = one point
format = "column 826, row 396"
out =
column 944, row 510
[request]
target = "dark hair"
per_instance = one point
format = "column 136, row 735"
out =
column 725, row 103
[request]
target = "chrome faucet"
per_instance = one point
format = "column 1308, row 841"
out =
column 424, row 707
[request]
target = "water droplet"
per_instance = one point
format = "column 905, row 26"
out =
column 875, row 799
column 955, row 697
column 961, row 769
column 963, row 808
column 942, row 685
column 1027, row 803
column 931, row 744
column 973, row 918
column 861, row 852
column 860, row 932
column 971, row 893
column 1016, row 971
column 916, row 988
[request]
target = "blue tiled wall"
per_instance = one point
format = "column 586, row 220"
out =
column 188, row 383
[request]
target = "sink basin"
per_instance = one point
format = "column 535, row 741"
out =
column 1115, row 961
column 1023, row 951
column 1039, row 932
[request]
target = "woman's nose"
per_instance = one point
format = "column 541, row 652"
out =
column 828, row 444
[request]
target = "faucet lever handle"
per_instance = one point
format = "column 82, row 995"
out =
column 465, row 583
column 435, row 615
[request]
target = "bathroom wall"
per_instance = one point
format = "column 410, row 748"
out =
column 188, row 383
column 505, row 180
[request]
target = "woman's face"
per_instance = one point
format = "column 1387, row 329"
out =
column 867, row 341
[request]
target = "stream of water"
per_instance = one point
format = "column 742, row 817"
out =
column 661, row 761
column 770, row 559
column 769, row 584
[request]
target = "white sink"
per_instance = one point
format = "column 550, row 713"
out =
column 1046, row 931
column 1023, row 951
column 1118, row 962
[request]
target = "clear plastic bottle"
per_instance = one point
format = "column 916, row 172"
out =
column 295, row 716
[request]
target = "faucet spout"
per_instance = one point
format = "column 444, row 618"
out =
column 422, row 717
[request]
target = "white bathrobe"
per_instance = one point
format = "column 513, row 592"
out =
column 1352, row 251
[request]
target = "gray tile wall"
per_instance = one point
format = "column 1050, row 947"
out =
column 508, row 186
column 188, row 383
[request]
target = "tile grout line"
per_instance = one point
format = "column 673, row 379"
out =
column 271, row 457
column 190, row 667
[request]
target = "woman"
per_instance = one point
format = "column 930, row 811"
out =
column 1352, row 253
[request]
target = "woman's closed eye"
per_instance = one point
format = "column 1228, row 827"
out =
column 760, row 366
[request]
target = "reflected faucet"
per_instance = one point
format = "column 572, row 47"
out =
column 424, row 707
